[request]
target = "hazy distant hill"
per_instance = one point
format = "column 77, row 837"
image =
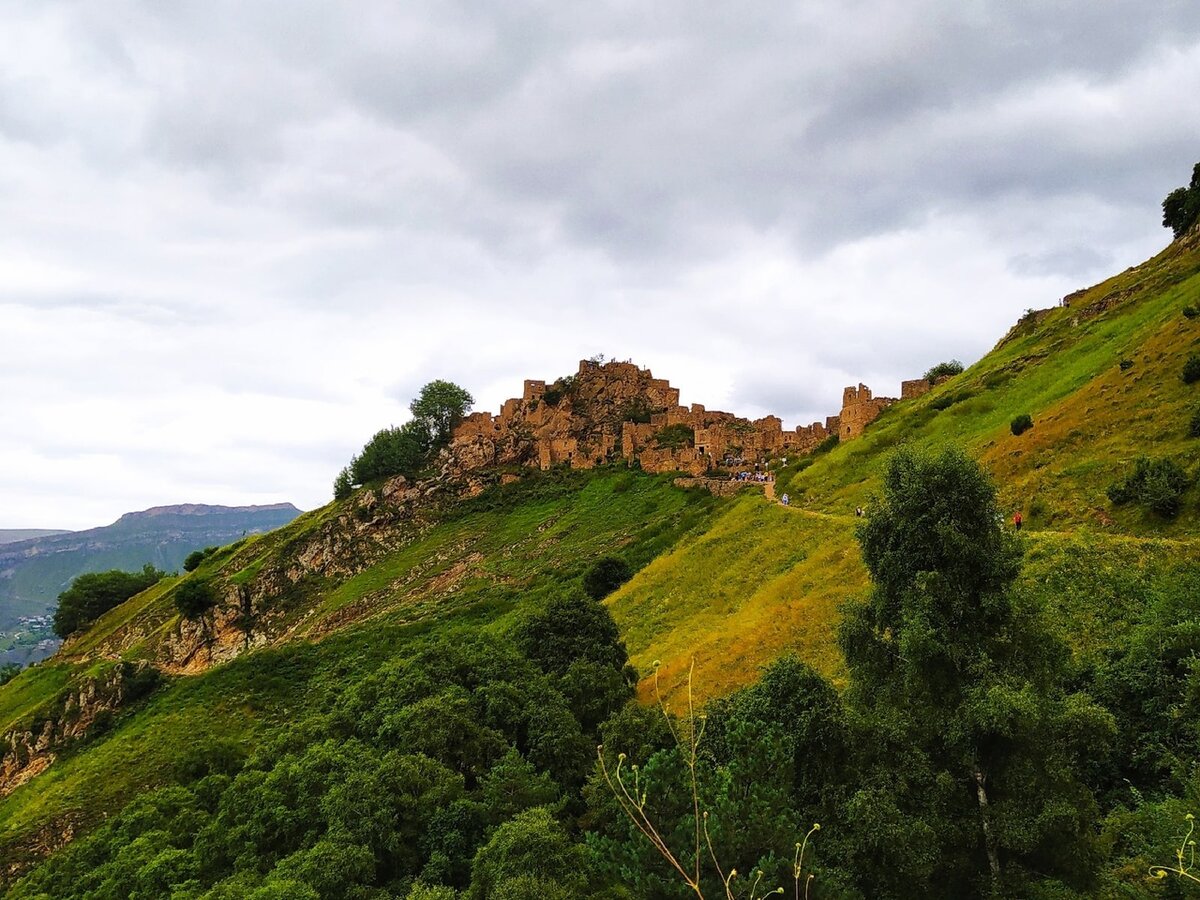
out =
column 12, row 535
column 34, row 571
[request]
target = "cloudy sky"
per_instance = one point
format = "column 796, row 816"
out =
column 236, row 238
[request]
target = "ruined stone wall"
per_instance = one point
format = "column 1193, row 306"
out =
column 910, row 390
column 859, row 409
column 589, row 424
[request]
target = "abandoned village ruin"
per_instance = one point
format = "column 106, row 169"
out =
column 617, row 410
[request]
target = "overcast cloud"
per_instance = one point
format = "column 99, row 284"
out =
column 236, row 238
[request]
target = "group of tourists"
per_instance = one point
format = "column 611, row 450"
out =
column 760, row 477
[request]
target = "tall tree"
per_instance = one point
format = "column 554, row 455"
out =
column 440, row 407
column 971, row 746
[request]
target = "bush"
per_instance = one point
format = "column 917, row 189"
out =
column 194, row 598
column 606, row 576
column 1021, row 423
column 1191, row 370
column 828, row 444
column 674, row 437
column 93, row 594
column 193, row 560
column 1157, row 484
column 1190, row 312
column 1125, row 365
column 950, row 367
column 1194, row 425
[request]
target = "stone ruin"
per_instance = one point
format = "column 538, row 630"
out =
column 619, row 411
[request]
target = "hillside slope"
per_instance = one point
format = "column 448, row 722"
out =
column 731, row 582
column 37, row 568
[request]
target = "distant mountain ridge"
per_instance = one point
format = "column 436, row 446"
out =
column 34, row 571
column 12, row 535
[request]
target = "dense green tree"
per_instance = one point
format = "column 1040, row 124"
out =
column 571, row 627
column 392, row 451
column 406, row 449
column 533, row 850
column 95, row 593
column 1181, row 208
column 605, row 576
column 439, row 409
column 970, row 747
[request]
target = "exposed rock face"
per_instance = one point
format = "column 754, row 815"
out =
column 29, row 749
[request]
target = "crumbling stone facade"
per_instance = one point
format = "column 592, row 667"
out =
column 617, row 410
column 859, row 409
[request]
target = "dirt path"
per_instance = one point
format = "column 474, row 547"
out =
column 769, row 491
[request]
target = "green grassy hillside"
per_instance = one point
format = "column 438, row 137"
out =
column 523, row 542
column 1101, row 380
column 731, row 584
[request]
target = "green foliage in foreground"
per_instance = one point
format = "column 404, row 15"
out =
column 1021, row 424
column 459, row 764
column 974, row 744
column 95, row 593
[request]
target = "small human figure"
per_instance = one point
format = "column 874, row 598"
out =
column 1017, row 520
column 785, row 500
column 858, row 512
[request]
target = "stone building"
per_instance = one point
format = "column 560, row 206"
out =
column 617, row 410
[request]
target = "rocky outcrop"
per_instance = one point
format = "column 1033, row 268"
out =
column 30, row 748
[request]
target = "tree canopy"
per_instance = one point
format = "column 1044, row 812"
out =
column 439, row 409
column 405, row 449
column 93, row 594
column 1181, row 207
column 959, row 688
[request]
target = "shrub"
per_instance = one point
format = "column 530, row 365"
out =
column 193, row 560
column 637, row 411
column 1194, row 425
column 194, row 598
column 1021, row 423
column 950, row 367
column 1157, row 484
column 1125, row 365
column 1191, row 370
column 606, row 576
column 1190, row 312
column 673, row 437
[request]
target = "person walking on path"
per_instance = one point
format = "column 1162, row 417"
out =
column 1017, row 520
column 785, row 499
